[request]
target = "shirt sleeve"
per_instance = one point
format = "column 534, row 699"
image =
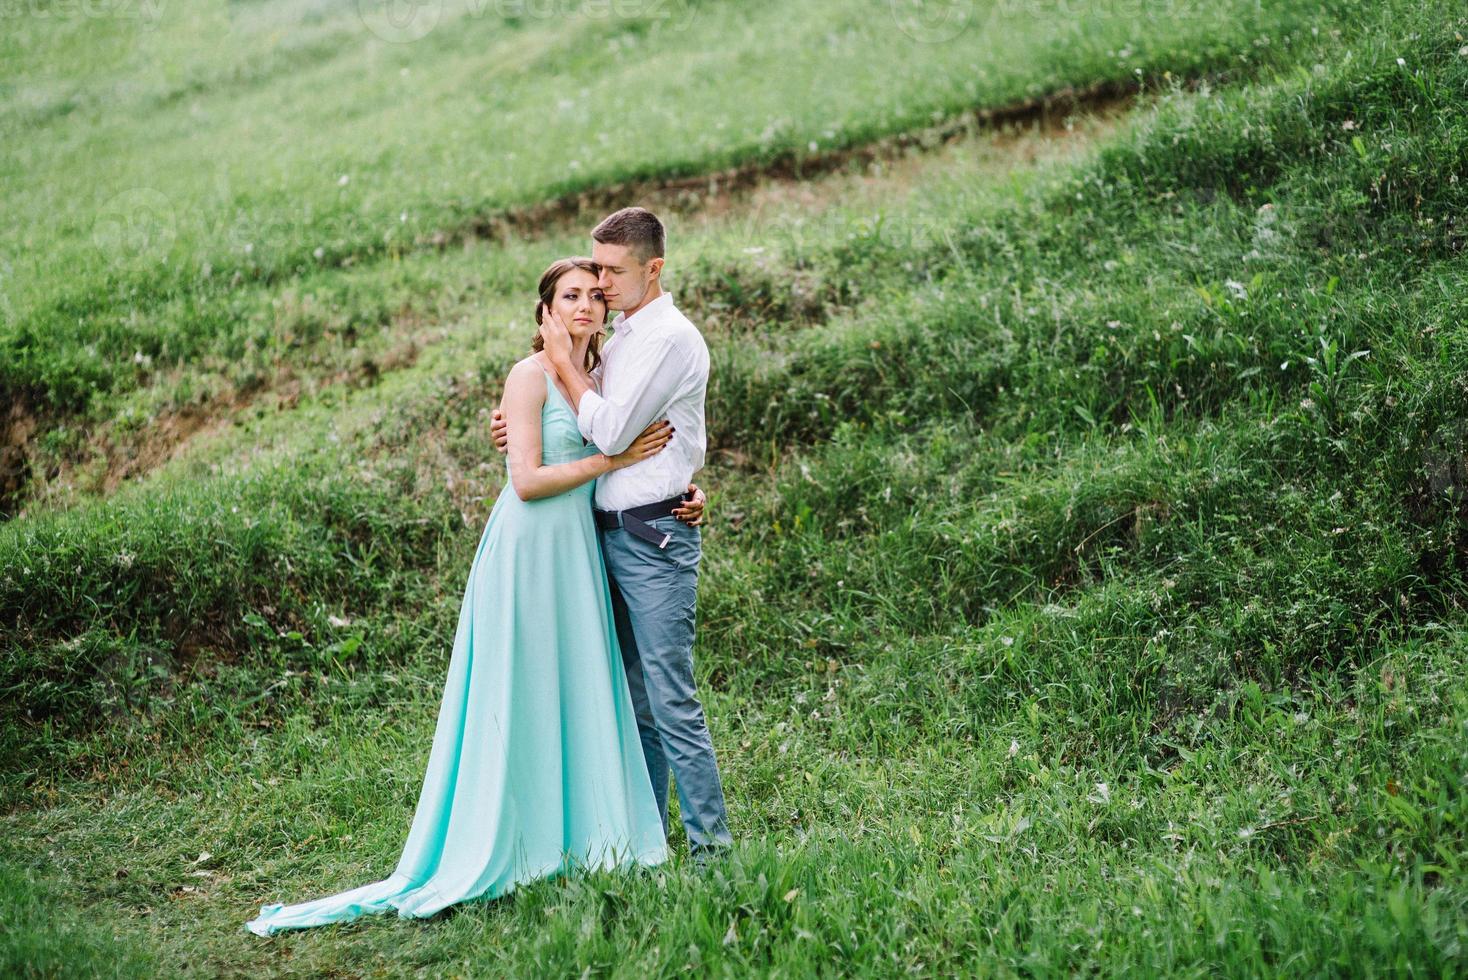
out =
column 653, row 378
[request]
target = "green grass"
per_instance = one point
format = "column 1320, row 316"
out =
column 1084, row 591
column 45, row 935
column 227, row 155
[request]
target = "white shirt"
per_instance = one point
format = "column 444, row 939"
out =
column 656, row 365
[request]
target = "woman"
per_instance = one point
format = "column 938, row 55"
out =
column 536, row 765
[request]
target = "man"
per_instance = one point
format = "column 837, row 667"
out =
column 654, row 366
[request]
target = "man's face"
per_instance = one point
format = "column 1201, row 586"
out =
column 624, row 280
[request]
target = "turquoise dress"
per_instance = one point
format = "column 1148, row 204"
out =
column 536, row 768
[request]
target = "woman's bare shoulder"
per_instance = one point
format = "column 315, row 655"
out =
column 531, row 366
column 526, row 375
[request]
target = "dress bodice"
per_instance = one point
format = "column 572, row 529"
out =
column 560, row 436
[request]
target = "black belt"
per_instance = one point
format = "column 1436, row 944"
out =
column 634, row 519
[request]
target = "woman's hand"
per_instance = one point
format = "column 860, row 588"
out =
column 499, row 431
column 650, row 443
column 691, row 512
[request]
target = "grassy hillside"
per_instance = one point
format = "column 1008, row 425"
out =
column 1084, row 590
column 256, row 152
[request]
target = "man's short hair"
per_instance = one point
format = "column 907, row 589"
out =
column 637, row 228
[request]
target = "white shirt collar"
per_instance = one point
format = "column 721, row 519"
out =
column 622, row 322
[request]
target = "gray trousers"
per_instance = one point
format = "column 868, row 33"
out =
column 654, row 602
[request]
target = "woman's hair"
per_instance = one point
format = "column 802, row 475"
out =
column 548, row 280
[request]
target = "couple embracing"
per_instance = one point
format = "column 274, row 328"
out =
column 570, row 696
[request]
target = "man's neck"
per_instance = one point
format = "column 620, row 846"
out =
column 653, row 292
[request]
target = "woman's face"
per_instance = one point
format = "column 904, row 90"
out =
column 579, row 303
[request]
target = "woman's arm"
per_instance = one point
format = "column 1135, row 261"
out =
column 525, row 394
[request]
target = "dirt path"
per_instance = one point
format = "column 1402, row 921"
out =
column 1049, row 117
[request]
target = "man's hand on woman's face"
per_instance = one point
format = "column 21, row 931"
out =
column 691, row 512
column 555, row 337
